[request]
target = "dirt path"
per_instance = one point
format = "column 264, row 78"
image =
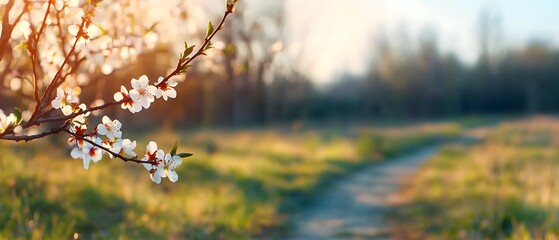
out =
column 353, row 207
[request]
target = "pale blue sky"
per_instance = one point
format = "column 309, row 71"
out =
column 338, row 33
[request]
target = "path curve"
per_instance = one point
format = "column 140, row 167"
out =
column 353, row 208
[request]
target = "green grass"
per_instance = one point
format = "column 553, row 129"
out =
column 239, row 184
column 505, row 187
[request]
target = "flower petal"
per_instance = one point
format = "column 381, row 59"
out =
column 148, row 166
column 73, row 29
column 135, row 83
column 160, row 154
column 152, row 147
column 173, row 176
column 67, row 110
column 56, row 103
column 117, row 124
column 98, row 155
column 134, row 95
column 172, row 93
column 159, row 80
column 59, row 92
column 143, row 79
column 155, row 179
column 101, row 129
column 151, row 89
column 175, row 162
column 161, row 171
column 76, row 153
column 118, row 96
column 135, row 108
column 145, row 102
column 86, row 161
column 117, row 134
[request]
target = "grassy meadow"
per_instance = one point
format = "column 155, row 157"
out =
column 504, row 187
column 238, row 185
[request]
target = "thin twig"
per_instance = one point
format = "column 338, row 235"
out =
column 207, row 41
column 33, row 48
column 73, row 115
column 44, row 22
column 120, row 156
column 28, row 138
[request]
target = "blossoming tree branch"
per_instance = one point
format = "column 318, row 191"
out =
column 47, row 50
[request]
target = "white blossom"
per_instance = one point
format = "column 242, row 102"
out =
column 122, row 147
column 167, row 169
column 109, row 128
column 92, row 30
column 22, row 29
column 166, row 90
column 142, row 92
column 113, row 146
column 88, row 152
column 131, row 105
column 156, row 156
column 128, row 147
column 82, row 118
column 6, row 121
column 78, row 129
column 64, row 101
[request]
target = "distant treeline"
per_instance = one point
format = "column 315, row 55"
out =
column 423, row 84
column 428, row 84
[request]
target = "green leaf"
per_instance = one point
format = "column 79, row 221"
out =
column 183, row 70
column 185, row 155
column 18, row 115
column 209, row 46
column 151, row 28
column 22, row 45
column 210, row 29
column 174, row 148
column 104, row 31
column 188, row 50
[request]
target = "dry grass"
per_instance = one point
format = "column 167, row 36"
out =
column 506, row 187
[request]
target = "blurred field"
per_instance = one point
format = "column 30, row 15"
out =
column 238, row 185
column 505, row 187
